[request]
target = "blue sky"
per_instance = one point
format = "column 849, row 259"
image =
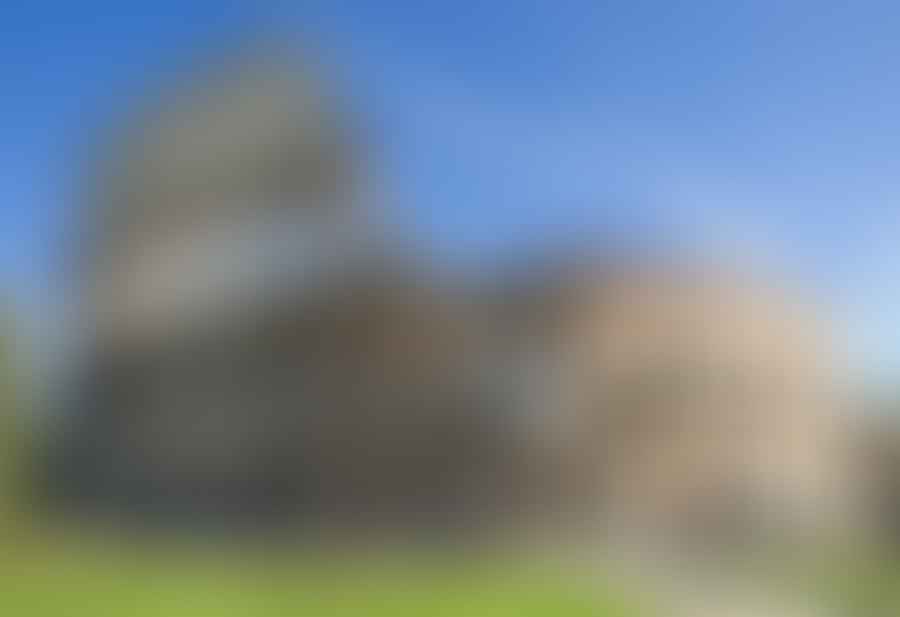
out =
column 765, row 130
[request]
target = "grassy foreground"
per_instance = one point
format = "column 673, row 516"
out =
column 53, row 579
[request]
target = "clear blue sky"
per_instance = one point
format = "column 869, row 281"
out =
column 768, row 128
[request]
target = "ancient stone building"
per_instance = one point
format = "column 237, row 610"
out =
column 256, row 346
column 680, row 403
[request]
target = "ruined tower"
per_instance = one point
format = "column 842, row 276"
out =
column 256, row 346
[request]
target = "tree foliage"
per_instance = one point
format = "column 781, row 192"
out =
column 11, row 449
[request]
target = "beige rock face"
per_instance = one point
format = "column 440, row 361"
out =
column 693, row 405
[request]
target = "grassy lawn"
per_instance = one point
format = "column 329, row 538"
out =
column 60, row 579
column 858, row 587
column 45, row 576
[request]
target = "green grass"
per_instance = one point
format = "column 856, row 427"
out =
column 858, row 587
column 60, row 578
